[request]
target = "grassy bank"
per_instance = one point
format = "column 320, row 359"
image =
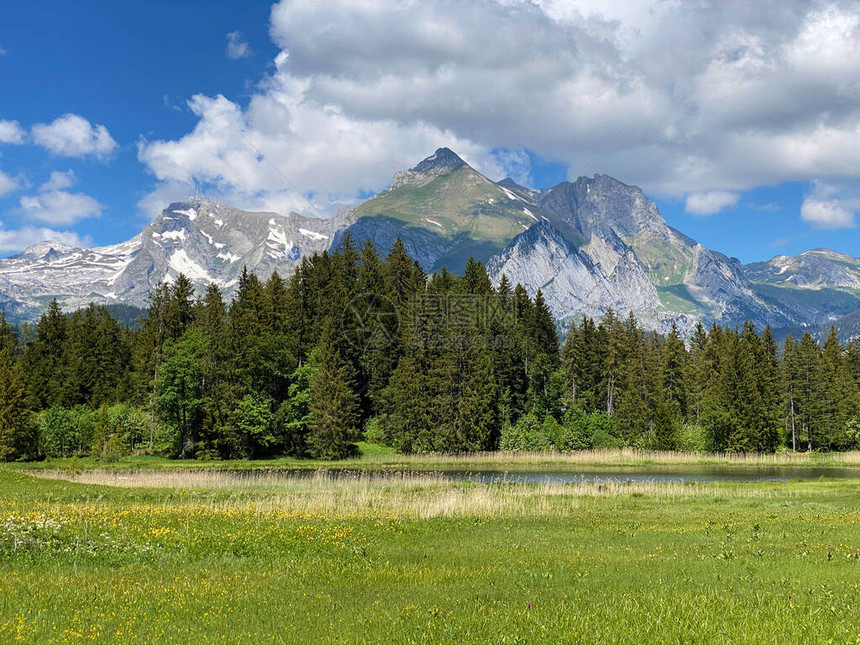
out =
column 199, row 557
column 374, row 457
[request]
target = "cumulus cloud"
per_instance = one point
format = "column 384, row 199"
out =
column 72, row 135
column 237, row 46
column 11, row 132
column 829, row 213
column 764, row 93
column 710, row 202
column 12, row 240
column 830, row 205
column 59, row 207
column 3, row 52
column 244, row 155
column 59, row 181
column 9, row 183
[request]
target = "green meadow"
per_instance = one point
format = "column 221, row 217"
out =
column 164, row 555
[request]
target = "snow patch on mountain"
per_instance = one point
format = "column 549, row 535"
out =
column 181, row 263
column 313, row 234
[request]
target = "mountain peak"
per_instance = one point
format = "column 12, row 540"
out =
column 444, row 159
column 41, row 249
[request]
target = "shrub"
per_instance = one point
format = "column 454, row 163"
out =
column 374, row 432
column 524, row 436
column 693, row 437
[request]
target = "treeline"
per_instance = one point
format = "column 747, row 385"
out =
column 357, row 346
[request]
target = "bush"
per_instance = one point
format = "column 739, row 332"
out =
column 586, row 430
column 58, row 433
column 694, row 438
column 131, row 424
column 525, row 436
column 374, row 432
column 603, row 432
column 254, row 422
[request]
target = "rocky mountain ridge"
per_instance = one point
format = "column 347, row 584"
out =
column 207, row 241
column 590, row 244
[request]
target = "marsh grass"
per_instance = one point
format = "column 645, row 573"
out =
column 406, row 494
column 619, row 457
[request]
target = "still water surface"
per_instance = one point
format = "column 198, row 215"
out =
column 658, row 474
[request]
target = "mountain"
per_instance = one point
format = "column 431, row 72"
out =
column 590, row 244
column 637, row 262
column 444, row 211
column 207, row 241
column 820, row 286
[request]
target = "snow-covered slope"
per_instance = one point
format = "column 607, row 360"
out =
column 207, row 241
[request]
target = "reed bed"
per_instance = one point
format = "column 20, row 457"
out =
column 381, row 494
column 619, row 457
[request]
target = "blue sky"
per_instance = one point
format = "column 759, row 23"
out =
column 748, row 141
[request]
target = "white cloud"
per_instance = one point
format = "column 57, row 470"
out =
column 11, row 132
column 3, row 52
column 826, row 213
column 12, row 240
column 59, row 181
column 237, row 46
column 73, row 136
column 711, row 202
column 9, row 183
column 315, row 147
column 59, row 207
column 764, row 93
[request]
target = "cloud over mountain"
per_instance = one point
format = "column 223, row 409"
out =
column 764, row 94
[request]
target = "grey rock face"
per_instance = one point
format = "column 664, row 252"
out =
column 206, row 241
column 638, row 263
column 815, row 269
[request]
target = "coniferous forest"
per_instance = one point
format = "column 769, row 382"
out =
column 356, row 346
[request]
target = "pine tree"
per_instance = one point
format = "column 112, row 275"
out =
column 638, row 375
column 276, row 305
column 379, row 331
column 697, row 373
column 43, row 360
column 217, row 370
column 837, row 391
column 674, row 369
column 475, row 278
column 17, row 426
column 792, row 385
column 809, row 392
column 180, row 306
column 333, row 425
column 541, row 330
column 769, row 389
column 504, row 292
column 610, row 340
column 399, row 276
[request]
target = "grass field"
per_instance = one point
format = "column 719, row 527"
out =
column 200, row 556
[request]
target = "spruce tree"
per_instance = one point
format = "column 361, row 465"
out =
column 791, row 385
column 697, row 373
column 475, row 278
column 398, row 273
column 43, row 360
column 809, row 397
column 674, row 371
column 18, row 438
column 333, row 425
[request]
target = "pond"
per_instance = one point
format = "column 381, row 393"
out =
column 652, row 474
